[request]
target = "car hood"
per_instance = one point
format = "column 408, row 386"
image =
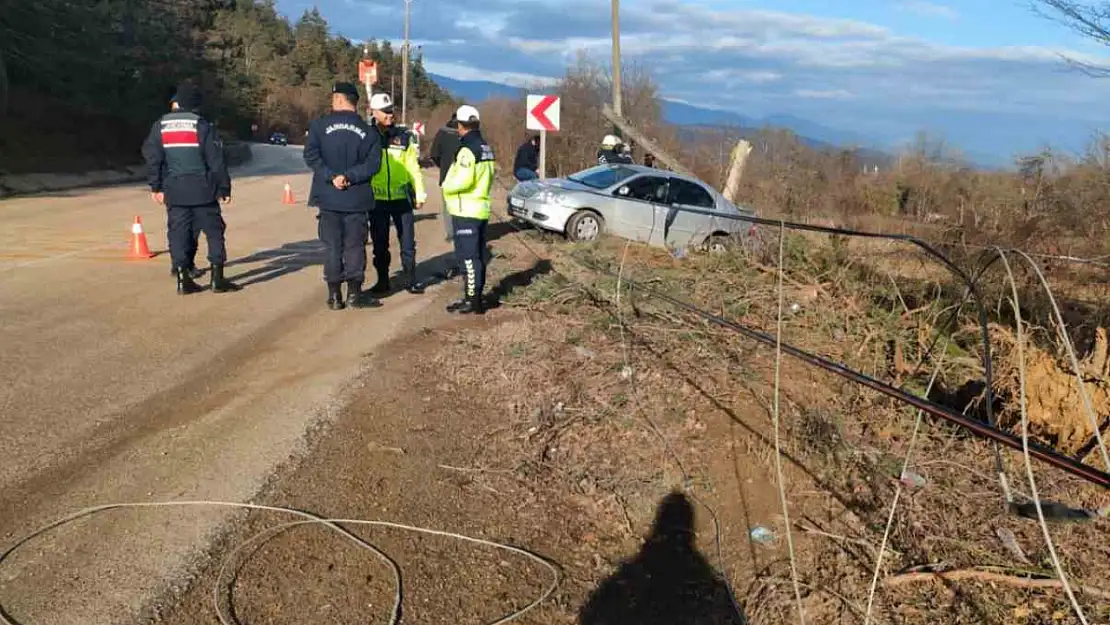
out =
column 532, row 188
column 567, row 185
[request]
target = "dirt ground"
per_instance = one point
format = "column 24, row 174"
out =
column 640, row 460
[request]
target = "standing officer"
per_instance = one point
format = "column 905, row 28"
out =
column 194, row 236
column 186, row 172
column 398, row 179
column 611, row 151
column 466, row 191
column 343, row 152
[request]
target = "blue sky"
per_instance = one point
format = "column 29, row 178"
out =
column 985, row 76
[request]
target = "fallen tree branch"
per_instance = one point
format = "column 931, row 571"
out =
column 990, row 578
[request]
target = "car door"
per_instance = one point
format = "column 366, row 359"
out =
column 682, row 228
column 636, row 203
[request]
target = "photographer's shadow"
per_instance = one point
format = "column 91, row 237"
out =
column 667, row 583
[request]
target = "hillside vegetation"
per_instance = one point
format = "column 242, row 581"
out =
column 82, row 82
column 1048, row 202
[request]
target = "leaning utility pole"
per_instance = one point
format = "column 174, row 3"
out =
column 616, row 57
column 405, row 67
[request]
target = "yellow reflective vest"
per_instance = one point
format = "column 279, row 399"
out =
column 466, row 189
column 400, row 168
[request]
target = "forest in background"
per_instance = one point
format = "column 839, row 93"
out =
column 80, row 83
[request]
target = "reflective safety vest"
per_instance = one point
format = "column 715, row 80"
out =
column 466, row 189
column 400, row 168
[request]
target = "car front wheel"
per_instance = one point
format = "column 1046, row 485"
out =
column 584, row 226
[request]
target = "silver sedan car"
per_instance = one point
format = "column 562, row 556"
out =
column 632, row 202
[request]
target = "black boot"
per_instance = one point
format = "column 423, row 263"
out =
column 381, row 287
column 415, row 286
column 185, row 284
column 472, row 306
column 335, row 295
column 456, row 305
column 220, row 284
column 356, row 298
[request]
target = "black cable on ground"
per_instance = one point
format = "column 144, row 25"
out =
column 971, row 284
column 988, row 431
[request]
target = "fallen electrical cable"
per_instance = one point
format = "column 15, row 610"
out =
column 978, row 428
column 224, row 613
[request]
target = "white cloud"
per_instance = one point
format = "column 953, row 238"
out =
column 730, row 76
column 460, row 71
column 826, row 94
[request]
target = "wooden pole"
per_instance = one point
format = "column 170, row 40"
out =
column 405, row 67
column 643, row 141
column 616, row 57
column 736, row 169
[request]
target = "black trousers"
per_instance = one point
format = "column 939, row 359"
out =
column 185, row 225
column 344, row 238
column 194, row 236
column 470, row 250
column 399, row 212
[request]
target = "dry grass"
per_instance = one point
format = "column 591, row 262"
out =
column 617, row 414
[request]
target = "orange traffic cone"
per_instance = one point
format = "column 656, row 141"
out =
column 287, row 197
column 139, row 247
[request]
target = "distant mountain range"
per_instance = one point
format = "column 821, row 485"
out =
column 688, row 115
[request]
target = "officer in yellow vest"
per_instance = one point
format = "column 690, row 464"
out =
column 398, row 185
column 466, row 191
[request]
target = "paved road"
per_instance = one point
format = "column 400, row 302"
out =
column 116, row 389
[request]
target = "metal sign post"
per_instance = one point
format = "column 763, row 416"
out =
column 543, row 154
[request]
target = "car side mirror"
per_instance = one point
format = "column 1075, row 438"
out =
column 623, row 191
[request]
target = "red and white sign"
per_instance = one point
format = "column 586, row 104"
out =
column 367, row 72
column 543, row 113
column 418, row 128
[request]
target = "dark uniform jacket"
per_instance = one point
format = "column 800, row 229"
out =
column 185, row 160
column 527, row 157
column 342, row 143
column 612, row 157
column 444, row 148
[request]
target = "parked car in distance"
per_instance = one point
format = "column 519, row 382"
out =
column 633, row 202
column 279, row 138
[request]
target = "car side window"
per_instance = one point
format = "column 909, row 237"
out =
column 690, row 194
column 647, row 189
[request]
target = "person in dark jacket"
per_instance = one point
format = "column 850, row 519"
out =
column 527, row 161
column 612, row 152
column 344, row 153
column 186, row 172
column 194, row 236
column 445, row 146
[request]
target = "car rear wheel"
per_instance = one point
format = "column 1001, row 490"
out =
column 584, row 226
column 718, row 244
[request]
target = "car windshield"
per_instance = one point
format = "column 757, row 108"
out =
column 602, row 176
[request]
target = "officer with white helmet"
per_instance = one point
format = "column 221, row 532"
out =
column 398, row 190
column 466, row 191
column 611, row 151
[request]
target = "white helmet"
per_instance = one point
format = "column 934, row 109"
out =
column 467, row 113
column 610, row 141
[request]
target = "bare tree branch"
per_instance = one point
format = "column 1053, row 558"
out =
column 1089, row 20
